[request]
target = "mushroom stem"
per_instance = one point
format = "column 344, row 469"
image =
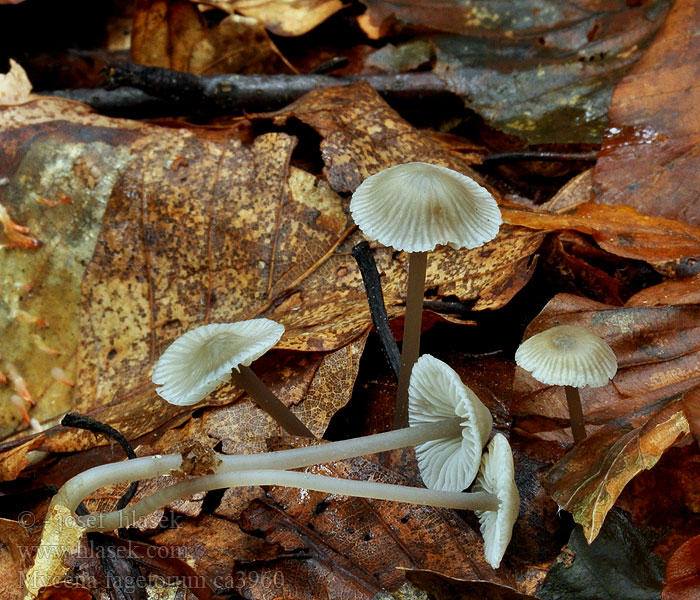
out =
column 271, row 404
column 411, row 333
column 83, row 484
column 319, row 483
column 573, row 399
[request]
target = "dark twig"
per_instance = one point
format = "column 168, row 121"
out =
column 531, row 156
column 83, row 422
column 373, row 286
column 153, row 90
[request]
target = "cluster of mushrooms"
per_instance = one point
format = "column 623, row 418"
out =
column 439, row 415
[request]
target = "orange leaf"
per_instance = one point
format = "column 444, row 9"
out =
column 620, row 230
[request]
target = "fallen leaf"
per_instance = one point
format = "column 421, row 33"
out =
column 617, row 564
column 16, row 459
column 281, row 17
column 589, row 479
column 64, row 591
column 361, row 541
column 542, row 71
column 620, row 230
column 650, row 150
column 683, row 291
column 683, row 572
column 175, row 35
column 448, row 588
column 165, row 32
column 15, row 86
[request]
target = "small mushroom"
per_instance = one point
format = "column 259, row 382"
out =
column 413, row 207
column 570, row 356
column 437, row 393
column 200, row 360
column 497, row 476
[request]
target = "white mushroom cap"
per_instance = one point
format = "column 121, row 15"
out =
column 567, row 355
column 415, row 206
column 436, row 393
column 497, row 476
column 200, row 360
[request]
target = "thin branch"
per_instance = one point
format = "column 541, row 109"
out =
column 373, row 287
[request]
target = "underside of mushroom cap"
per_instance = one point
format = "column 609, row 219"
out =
column 200, row 360
column 567, row 355
column 437, row 393
column 497, row 476
column 415, row 206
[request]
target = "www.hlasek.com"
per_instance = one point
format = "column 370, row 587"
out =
column 46, row 552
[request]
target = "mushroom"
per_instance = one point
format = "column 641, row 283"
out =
column 497, row 476
column 570, row 356
column 413, row 207
column 437, row 393
column 455, row 426
column 200, row 360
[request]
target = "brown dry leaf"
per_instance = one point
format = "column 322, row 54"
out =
column 213, row 545
column 15, row 86
column 282, row 17
column 588, row 480
column 682, row 291
column 235, row 45
column 633, row 419
column 620, row 230
column 64, row 591
column 16, row 459
column 449, row 588
column 683, row 572
column 165, row 32
column 360, row 541
column 650, row 150
column 174, row 35
column 362, row 135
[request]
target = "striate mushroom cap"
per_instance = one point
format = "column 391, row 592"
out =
column 415, row 206
column 437, row 393
column 200, row 360
column 567, row 355
column 497, row 476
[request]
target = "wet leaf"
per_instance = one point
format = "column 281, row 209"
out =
column 617, row 564
column 650, row 150
column 620, row 230
column 542, row 71
column 683, row 572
